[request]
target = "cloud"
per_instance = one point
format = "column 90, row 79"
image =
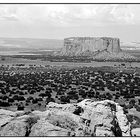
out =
column 123, row 14
column 69, row 15
column 76, row 15
column 8, row 13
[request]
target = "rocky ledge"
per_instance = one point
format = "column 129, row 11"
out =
column 94, row 48
column 86, row 118
column 78, row 46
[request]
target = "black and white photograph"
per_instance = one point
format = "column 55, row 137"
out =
column 69, row 70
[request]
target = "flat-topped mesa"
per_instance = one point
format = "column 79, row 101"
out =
column 75, row 46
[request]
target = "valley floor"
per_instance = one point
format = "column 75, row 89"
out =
column 31, row 84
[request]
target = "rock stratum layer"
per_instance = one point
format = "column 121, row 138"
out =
column 81, row 45
column 100, row 48
column 86, row 118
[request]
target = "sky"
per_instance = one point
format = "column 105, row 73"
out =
column 54, row 21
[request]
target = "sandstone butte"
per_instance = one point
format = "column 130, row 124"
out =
column 103, row 48
column 86, row 118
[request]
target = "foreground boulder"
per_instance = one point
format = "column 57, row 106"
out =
column 136, row 132
column 64, row 107
column 44, row 128
column 86, row 118
column 14, row 128
column 106, row 114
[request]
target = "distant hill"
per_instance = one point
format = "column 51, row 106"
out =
column 130, row 46
column 25, row 44
column 96, row 48
column 41, row 46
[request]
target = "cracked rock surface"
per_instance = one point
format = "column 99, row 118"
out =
column 86, row 118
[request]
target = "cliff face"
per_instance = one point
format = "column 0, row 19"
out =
column 76, row 46
column 86, row 118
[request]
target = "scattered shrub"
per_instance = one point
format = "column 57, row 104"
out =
column 20, row 106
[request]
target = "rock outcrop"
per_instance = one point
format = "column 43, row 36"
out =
column 14, row 128
column 76, row 46
column 98, row 48
column 107, row 56
column 86, row 118
column 44, row 128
